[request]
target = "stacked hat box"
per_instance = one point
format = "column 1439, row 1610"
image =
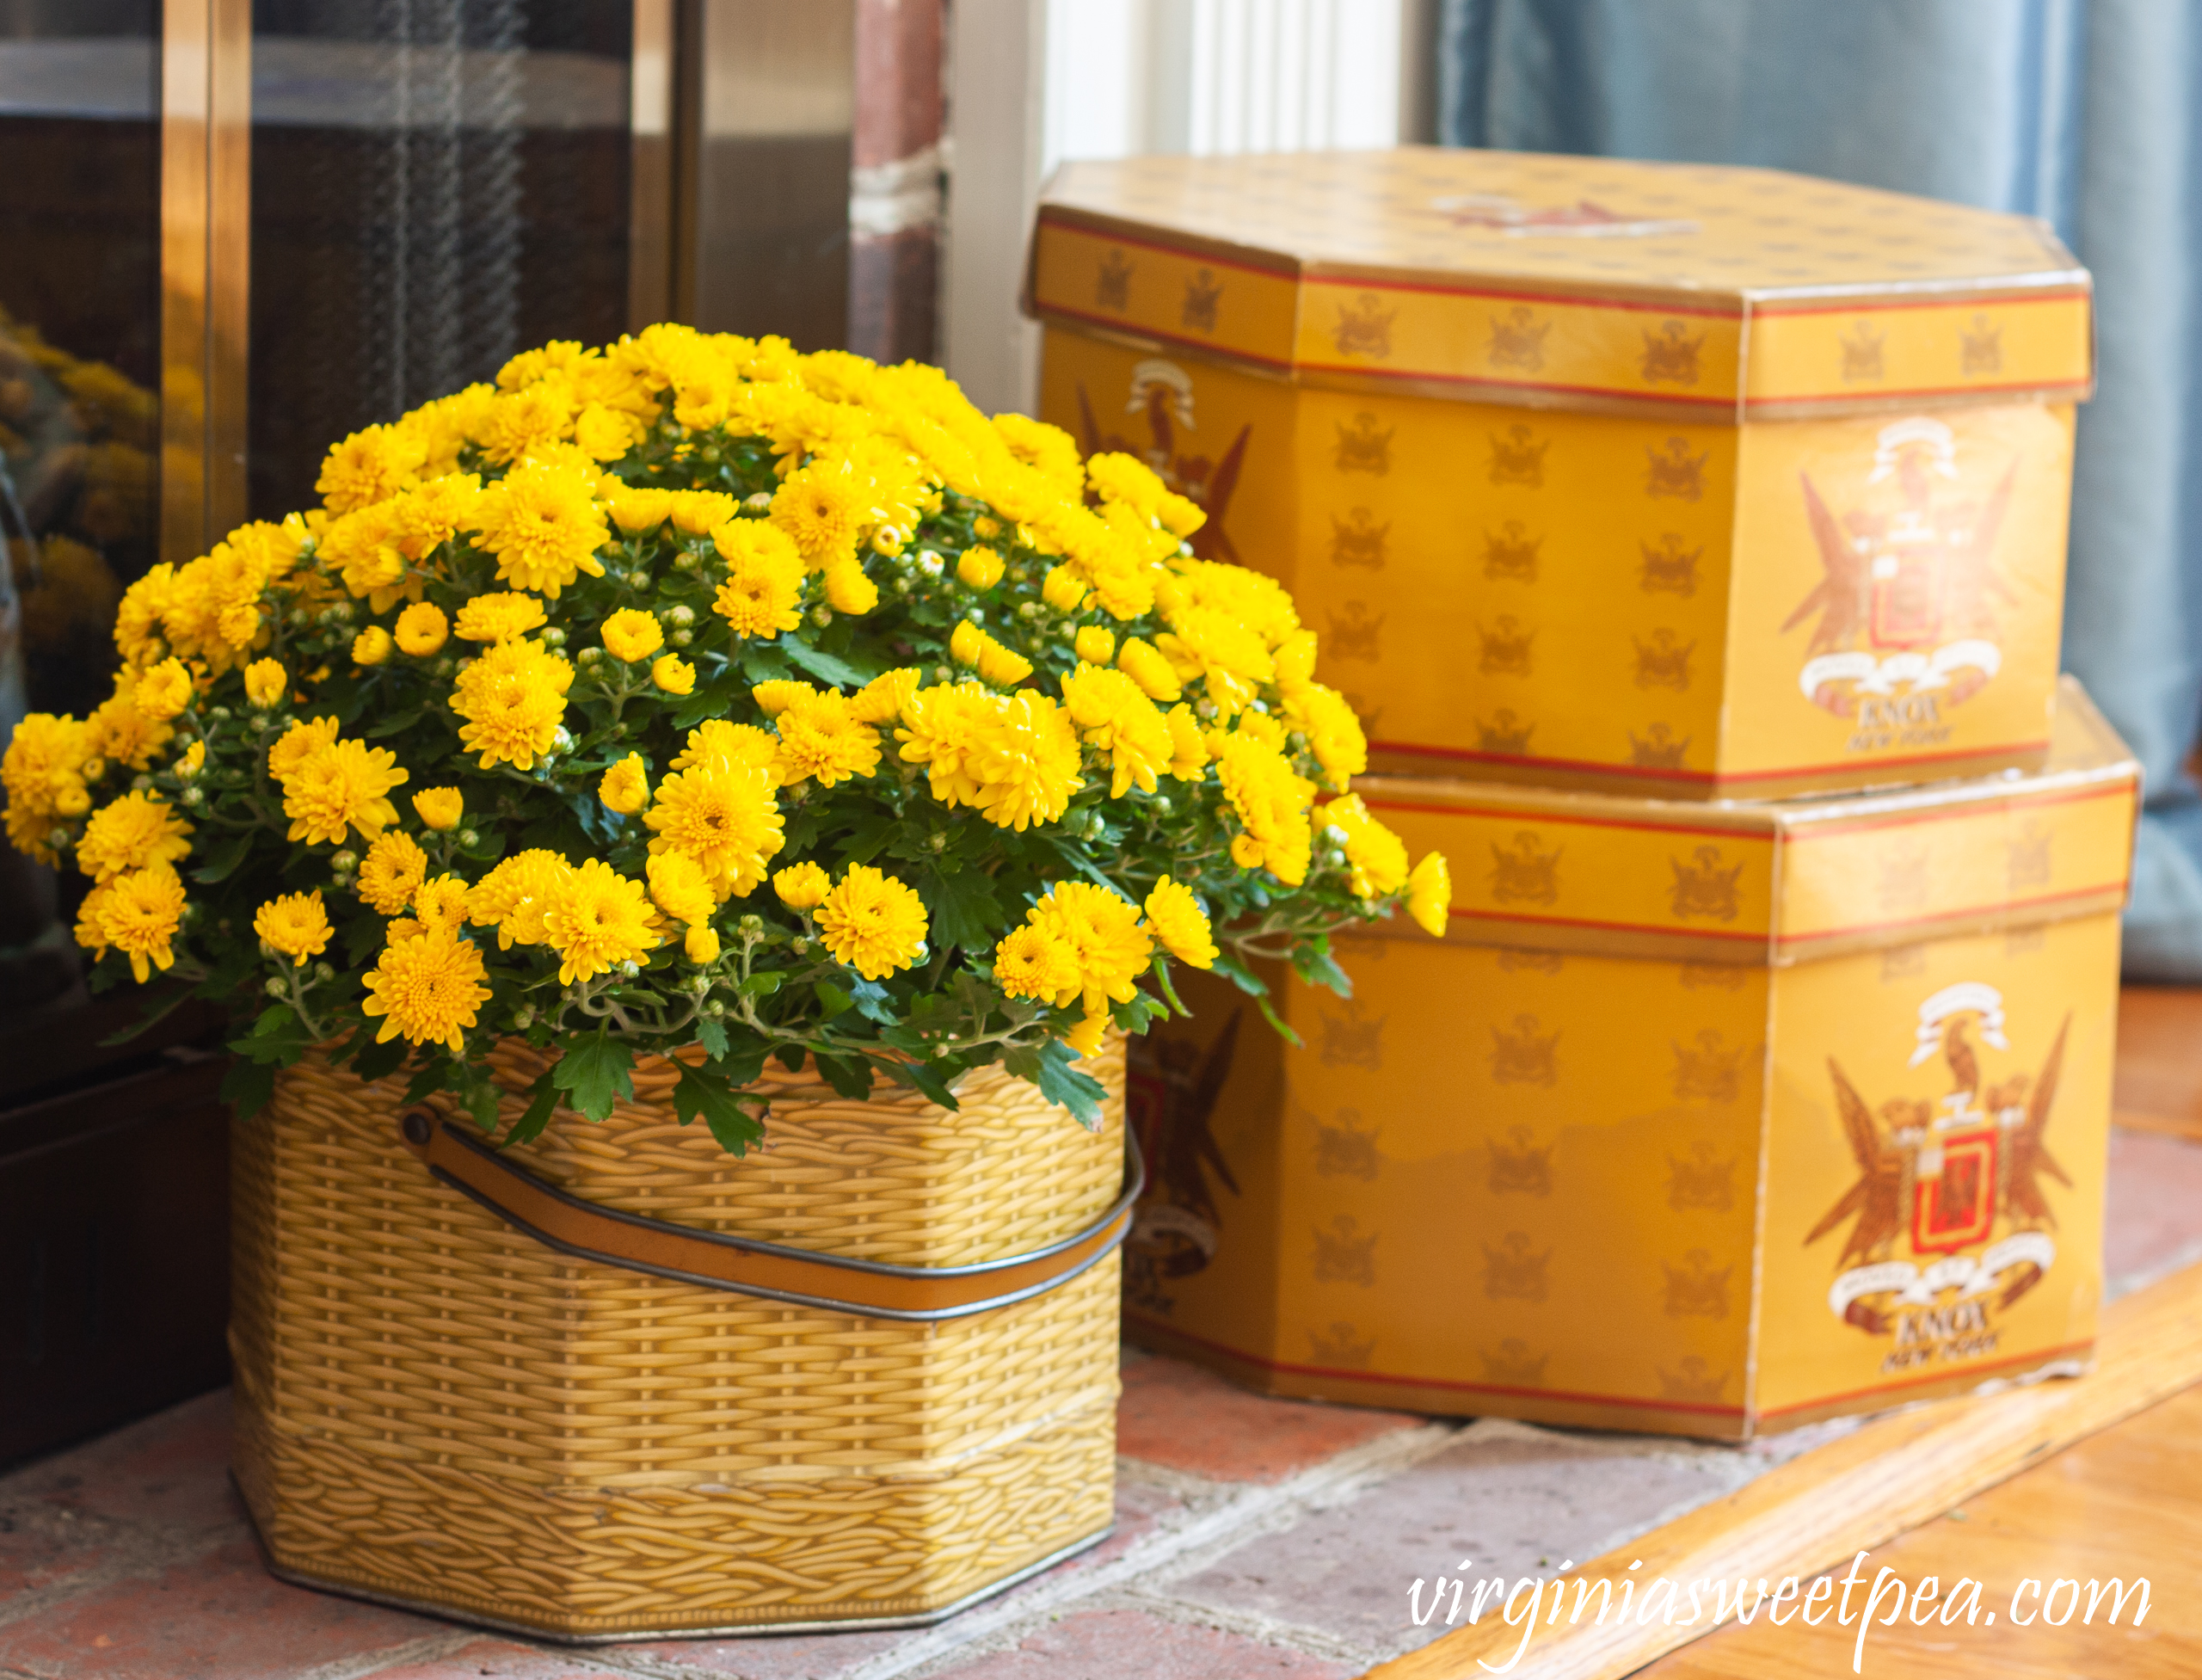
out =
column 1704, row 1119
column 1692, row 542
column 1692, row 482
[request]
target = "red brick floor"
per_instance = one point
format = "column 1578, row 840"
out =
column 1256, row 1538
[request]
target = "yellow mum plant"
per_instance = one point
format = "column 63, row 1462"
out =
column 692, row 695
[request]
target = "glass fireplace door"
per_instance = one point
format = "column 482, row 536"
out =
column 80, row 371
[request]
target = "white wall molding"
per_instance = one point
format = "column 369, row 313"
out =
column 1035, row 83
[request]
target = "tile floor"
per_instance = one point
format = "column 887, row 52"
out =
column 1257, row 1539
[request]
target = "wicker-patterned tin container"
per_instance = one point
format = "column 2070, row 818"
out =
column 438, row 1410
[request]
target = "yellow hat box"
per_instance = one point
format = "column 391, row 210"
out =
column 1683, row 481
column 1704, row 1119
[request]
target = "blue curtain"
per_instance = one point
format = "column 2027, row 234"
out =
column 2084, row 112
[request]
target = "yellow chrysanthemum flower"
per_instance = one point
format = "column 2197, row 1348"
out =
column 1176, row 919
column 1271, row 801
column 1126, row 478
column 848, row 589
column 701, row 943
column 1376, row 858
column 700, row 513
column 716, row 741
column 823, row 511
column 1032, row 962
column 763, row 592
column 440, row 807
column 981, row 568
column 138, row 913
column 673, row 674
column 426, row 988
column 1096, row 645
column 422, row 520
column 502, row 617
column 625, row 788
column 631, row 634
column 1109, row 946
column 514, row 699
column 298, row 743
column 342, row 786
column 519, row 423
column 680, row 888
column 821, row 738
column 394, row 866
column 1295, row 658
column 1144, row 664
column 370, row 466
column 422, row 629
column 724, row 816
column 1263, row 727
column 969, row 645
column 136, row 831
column 776, row 696
column 872, row 922
column 193, row 761
column 1047, row 449
column 371, row 646
column 1220, row 649
column 138, row 621
column 1115, row 716
column 1025, row 759
column 802, row 886
column 639, row 510
column 1062, row 588
column 606, row 433
column 1333, row 733
column 1188, row 749
column 597, row 919
column 515, row 895
column 1087, row 1034
column 881, row 699
column 164, row 691
column 1430, row 895
column 441, row 903
column 266, row 682
column 294, row 923
column 544, row 528
column 117, row 732
column 940, row 728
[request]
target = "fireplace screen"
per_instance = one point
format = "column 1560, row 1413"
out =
column 436, row 185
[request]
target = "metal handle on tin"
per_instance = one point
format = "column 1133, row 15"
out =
column 742, row 1265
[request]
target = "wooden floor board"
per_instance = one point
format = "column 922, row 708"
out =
column 2125, row 1504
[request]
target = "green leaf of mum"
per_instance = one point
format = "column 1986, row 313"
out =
column 701, row 1092
column 714, row 699
column 594, row 1073
column 1049, row 1067
column 224, row 862
column 248, row 1086
column 921, row 1076
column 544, row 1098
column 851, row 1076
column 826, row 667
column 962, row 908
